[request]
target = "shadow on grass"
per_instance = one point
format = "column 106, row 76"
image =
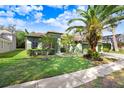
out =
column 10, row 54
column 27, row 69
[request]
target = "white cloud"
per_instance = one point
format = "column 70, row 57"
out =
column 38, row 17
column 22, row 10
column 53, row 22
column 82, row 7
column 12, row 21
column 7, row 14
column 25, row 9
column 62, row 19
column 56, row 6
column 59, row 6
column 36, row 7
column 17, row 22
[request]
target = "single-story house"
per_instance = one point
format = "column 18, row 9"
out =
column 32, row 41
column 7, row 41
column 108, row 38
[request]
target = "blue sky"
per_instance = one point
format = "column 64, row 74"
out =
column 42, row 18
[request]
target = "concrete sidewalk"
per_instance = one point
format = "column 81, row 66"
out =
column 113, row 55
column 73, row 79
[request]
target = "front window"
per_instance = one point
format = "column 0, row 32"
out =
column 34, row 44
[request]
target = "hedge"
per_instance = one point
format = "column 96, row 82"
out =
column 120, row 44
column 106, row 47
column 36, row 52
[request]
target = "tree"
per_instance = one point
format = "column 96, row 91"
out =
column 96, row 18
column 20, row 39
column 67, row 41
column 115, row 45
column 26, row 31
column 48, row 43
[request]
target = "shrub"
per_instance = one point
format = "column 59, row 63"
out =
column 36, row 52
column 51, row 51
column 63, row 50
column 120, row 44
column 106, row 47
column 93, row 55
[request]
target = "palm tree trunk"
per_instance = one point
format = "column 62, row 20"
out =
column 93, row 47
column 115, row 46
column 93, row 40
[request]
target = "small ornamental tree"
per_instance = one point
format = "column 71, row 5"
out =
column 67, row 41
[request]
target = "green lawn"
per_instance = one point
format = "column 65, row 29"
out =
column 114, row 80
column 19, row 53
column 121, row 51
column 16, row 67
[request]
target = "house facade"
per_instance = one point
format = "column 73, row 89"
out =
column 108, row 38
column 31, row 41
column 7, row 41
column 34, row 40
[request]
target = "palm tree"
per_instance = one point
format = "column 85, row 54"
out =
column 115, row 45
column 96, row 18
column 26, row 31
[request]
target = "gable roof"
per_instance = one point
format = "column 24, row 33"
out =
column 112, row 35
column 54, row 32
column 33, row 34
column 4, row 34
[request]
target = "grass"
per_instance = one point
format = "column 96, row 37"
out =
column 16, row 67
column 121, row 51
column 19, row 53
column 114, row 80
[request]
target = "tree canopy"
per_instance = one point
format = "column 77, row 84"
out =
column 96, row 18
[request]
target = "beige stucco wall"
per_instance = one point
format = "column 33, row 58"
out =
column 27, row 44
column 6, row 46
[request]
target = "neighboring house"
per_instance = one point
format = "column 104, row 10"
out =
column 7, row 41
column 108, row 38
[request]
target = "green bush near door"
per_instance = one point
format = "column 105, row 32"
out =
column 36, row 52
column 106, row 47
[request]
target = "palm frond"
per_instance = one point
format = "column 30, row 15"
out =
column 106, row 12
column 75, row 27
column 114, row 20
column 77, row 19
column 118, row 9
